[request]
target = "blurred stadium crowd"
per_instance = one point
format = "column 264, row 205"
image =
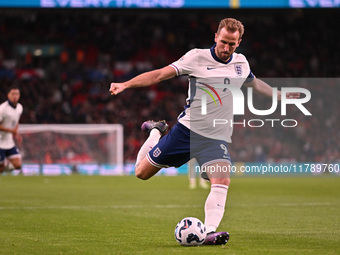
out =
column 85, row 50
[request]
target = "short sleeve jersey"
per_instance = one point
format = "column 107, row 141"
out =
column 9, row 118
column 209, row 98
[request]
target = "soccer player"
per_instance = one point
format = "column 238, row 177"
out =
column 10, row 113
column 194, row 135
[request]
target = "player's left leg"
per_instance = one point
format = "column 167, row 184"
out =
column 2, row 167
column 14, row 158
column 13, row 155
column 2, row 161
column 215, row 204
column 16, row 162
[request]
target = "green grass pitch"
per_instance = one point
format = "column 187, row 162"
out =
column 124, row 215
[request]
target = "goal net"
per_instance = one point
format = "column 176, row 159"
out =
column 50, row 149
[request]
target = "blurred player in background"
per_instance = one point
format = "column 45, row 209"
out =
column 193, row 174
column 205, row 68
column 10, row 113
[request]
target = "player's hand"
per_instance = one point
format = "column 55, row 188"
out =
column 289, row 95
column 18, row 138
column 116, row 88
column 293, row 95
column 14, row 131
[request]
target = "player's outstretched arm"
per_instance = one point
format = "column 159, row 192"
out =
column 262, row 88
column 144, row 80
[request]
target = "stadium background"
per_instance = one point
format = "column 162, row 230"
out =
column 65, row 59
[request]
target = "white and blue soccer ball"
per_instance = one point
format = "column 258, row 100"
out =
column 190, row 231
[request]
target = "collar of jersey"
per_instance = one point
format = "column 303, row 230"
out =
column 213, row 54
column 12, row 105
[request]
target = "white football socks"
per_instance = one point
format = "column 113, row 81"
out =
column 152, row 140
column 214, row 206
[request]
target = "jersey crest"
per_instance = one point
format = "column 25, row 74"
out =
column 238, row 70
column 157, row 152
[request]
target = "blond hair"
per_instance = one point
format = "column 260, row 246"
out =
column 231, row 25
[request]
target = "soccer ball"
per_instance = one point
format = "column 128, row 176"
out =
column 190, row 231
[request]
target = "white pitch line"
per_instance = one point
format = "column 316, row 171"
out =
column 285, row 204
column 76, row 207
column 307, row 204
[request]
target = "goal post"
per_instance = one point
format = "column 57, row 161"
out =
column 67, row 148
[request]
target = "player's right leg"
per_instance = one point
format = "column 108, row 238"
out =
column 2, row 161
column 144, row 169
column 172, row 150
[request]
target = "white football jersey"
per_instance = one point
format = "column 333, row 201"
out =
column 209, row 98
column 9, row 118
